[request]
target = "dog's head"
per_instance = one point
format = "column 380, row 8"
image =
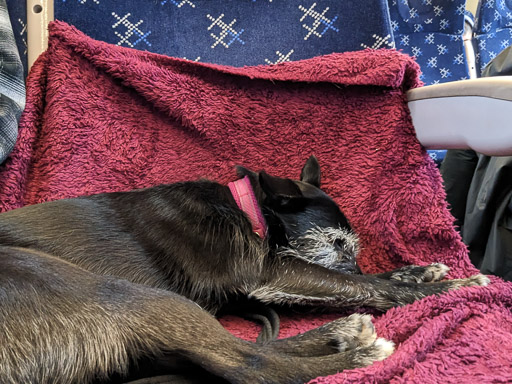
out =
column 303, row 220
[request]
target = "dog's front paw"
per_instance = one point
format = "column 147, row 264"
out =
column 353, row 331
column 418, row 274
column 475, row 280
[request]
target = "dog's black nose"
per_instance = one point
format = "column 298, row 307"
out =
column 339, row 243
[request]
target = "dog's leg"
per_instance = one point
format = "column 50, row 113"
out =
column 336, row 336
column 61, row 324
column 417, row 274
column 295, row 281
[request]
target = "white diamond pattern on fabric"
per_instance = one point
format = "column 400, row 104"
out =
column 281, row 57
column 133, row 35
column 321, row 23
column 228, row 35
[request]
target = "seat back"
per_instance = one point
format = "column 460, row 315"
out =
column 233, row 32
column 432, row 31
column 493, row 30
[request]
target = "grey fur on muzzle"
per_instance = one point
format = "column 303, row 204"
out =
column 333, row 248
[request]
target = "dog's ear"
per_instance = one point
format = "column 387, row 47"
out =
column 311, row 172
column 280, row 192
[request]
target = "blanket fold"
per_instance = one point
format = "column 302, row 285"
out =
column 105, row 118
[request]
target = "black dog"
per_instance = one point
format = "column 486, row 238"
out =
column 91, row 286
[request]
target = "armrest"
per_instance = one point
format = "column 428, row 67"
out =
column 469, row 114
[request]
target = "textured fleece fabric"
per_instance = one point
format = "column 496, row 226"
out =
column 105, row 118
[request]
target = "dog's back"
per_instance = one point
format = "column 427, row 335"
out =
column 174, row 237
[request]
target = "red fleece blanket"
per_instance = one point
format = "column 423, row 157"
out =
column 105, row 118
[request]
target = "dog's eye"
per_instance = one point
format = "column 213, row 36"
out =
column 339, row 243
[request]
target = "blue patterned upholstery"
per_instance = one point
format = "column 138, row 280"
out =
column 493, row 30
column 431, row 30
column 233, row 32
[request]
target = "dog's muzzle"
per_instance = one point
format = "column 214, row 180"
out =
column 333, row 248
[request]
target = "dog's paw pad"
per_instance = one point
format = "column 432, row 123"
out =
column 354, row 331
column 435, row 272
column 418, row 274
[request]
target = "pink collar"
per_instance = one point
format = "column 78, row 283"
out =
column 244, row 196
